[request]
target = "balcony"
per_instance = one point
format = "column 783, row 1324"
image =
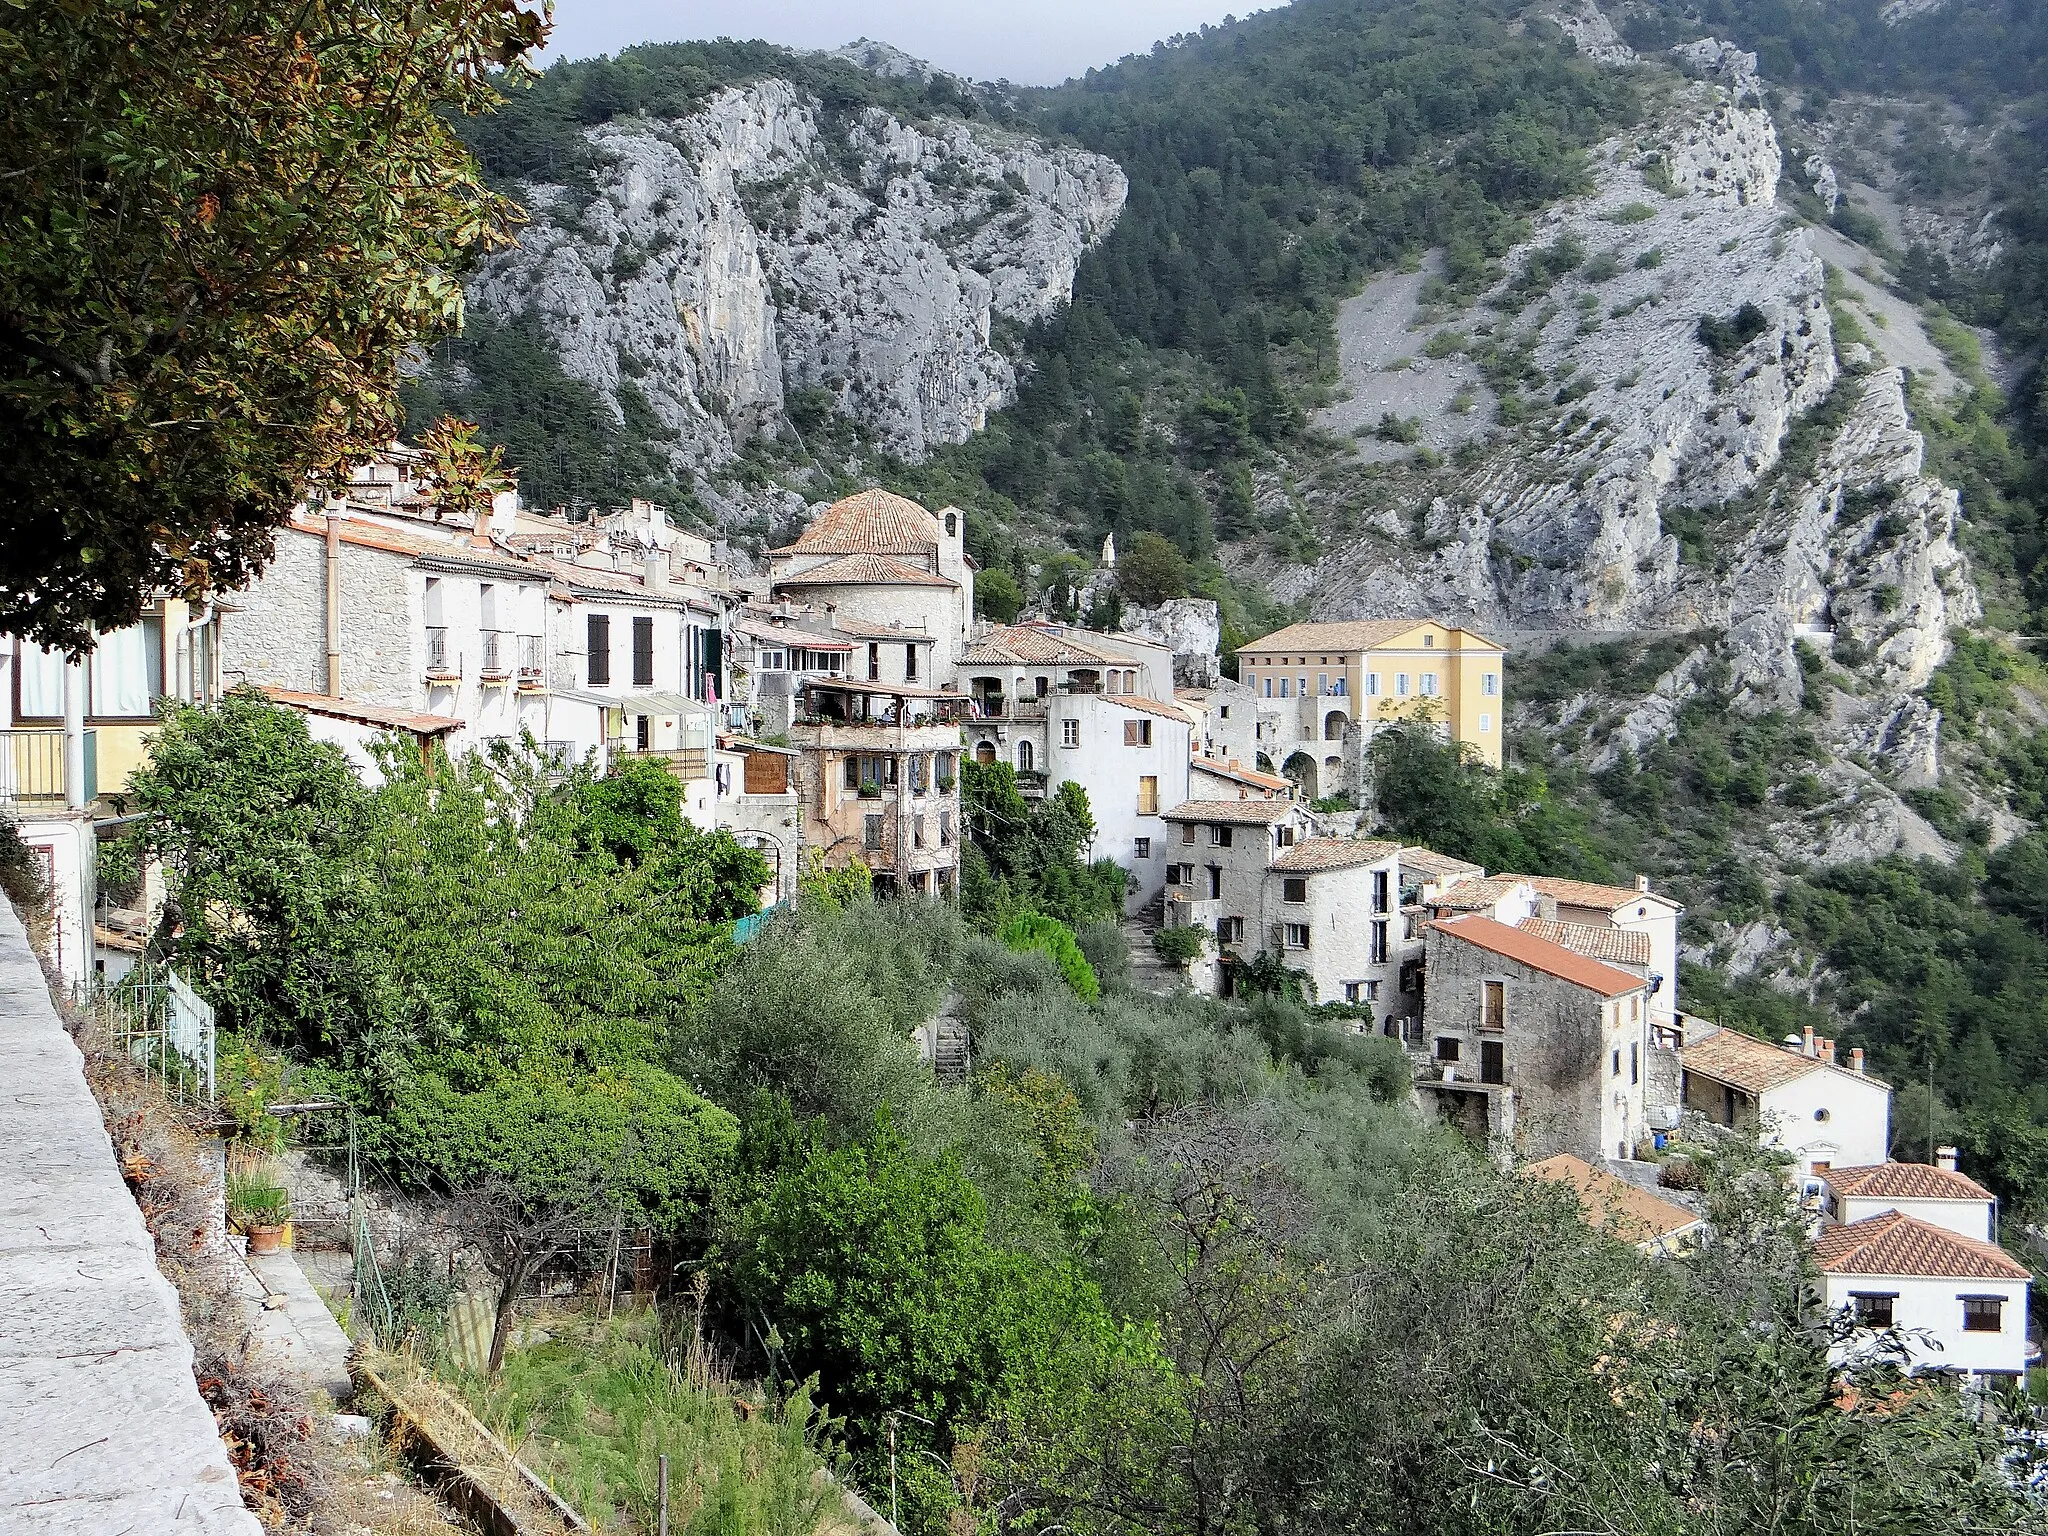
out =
column 532, row 661
column 443, row 662
column 32, row 770
column 498, row 649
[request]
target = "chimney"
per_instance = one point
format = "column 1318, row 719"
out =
column 654, row 571
column 1806, row 1047
column 1945, row 1159
column 1856, row 1060
column 1642, row 885
column 1827, row 1050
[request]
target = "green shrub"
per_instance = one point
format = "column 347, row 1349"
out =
column 1180, row 947
column 1034, row 930
column 1632, row 213
column 1726, row 336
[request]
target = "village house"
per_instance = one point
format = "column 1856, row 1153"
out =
column 1531, row 1048
column 1954, row 1302
column 1652, row 1224
column 72, row 733
column 1326, row 678
column 878, row 780
column 1936, row 1193
column 885, row 562
column 1792, row 1096
column 1065, row 705
column 1218, row 855
column 758, row 799
column 1328, row 910
column 1213, row 778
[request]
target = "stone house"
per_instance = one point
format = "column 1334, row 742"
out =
column 1329, row 911
column 1531, row 1048
column 884, row 561
column 757, row 789
column 1335, row 684
column 1215, row 778
column 1065, row 705
column 877, row 776
column 1794, row 1096
column 1630, row 909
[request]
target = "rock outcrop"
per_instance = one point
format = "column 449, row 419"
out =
column 716, row 263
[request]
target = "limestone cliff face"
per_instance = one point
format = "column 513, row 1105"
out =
column 764, row 245
column 1656, row 492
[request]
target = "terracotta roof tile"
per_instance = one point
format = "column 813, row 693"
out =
column 1428, row 863
column 1251, row 813
column 1145, row 706
column 1324, row 853
column 1539, row 955
column 1631, row 1214
column 1907, row 1248
column 1741, row 1061
column 1617, row 946
column 1239, row 773
column 873, row 521
column 1351, row 635
column 1904, row 1181
column 863, row 570
column 1584, row 893
column 1475, row 895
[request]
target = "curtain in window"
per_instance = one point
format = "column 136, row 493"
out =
column 127, row 672
column 42, row 683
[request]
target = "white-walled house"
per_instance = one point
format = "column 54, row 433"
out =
column 1937, row 1194
column 1790, row 1096
column 1957, row 1303
column 1330, row 911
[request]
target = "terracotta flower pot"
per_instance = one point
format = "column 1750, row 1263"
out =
column 265, row 1239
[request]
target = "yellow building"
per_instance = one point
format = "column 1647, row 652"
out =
column 1321, row 677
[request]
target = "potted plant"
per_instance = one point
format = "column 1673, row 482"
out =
column 260, row 1205
column 945, row 783
column 870, row 790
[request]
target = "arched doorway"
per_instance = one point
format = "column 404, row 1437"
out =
column 1302, row 769
column 1333, row 725
column 985, row 752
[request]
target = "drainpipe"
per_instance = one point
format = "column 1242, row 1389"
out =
column 74, row 734
column 334, row 506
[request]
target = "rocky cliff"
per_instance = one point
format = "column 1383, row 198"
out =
column 1683, row 449
column 717, row 263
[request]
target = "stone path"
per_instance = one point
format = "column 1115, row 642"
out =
column 293, row 1323
column 102, row 1429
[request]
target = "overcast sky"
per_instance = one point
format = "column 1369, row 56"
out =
column 1033, row 42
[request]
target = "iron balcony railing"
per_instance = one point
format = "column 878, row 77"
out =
column 440, row 654
column 531, row 656
column 497, row 653
column 32, row 768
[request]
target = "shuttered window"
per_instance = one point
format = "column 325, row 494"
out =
column 598, row 648
column 643, row 653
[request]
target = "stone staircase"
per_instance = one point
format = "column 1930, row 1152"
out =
column 952, row 1050
column 1148, row 972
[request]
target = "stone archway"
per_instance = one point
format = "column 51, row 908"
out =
column 1302, row 769
column 984, row 752
column 1333, row 725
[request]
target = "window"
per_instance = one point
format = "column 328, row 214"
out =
column 1180, row 874
column 1269, row 687
column 1493, row 1012
column 1983, row 1314
column 1301, row 685
column 1429, row 642
column 1485, row 722
column 1297, row 935
column 124, row 676
column 1361, row 991
column 1489, row 684
column 1142, row 848
column 1025, row 758
column 1378, row 950
column 774, row 661
column 1401, row 685
column 643, row 732
column 1372, row 685
column 643, row 653
column 852, row 777
column 1635, row 1009
column 945, row 829
column 1284, row 687
column 1070, row 733
column 952, row 524
column 1322, row 683
column 1187, row 833
column 1635, row 1062
column 1137, row 733
column 1429, row 685
column 1341, row 687
column 598, row 650
column 1617, row 1061
column 1823, row 1115
column 1283, row 837
column 874, row 661
column 1873, row 1309
column 1382, row 891
column 1043, row 685
column 871, row 832
column 1219, row 837
column 917, row 832
column 1229, row 930
column 1148, row 795
column 1493, row 1061
column 1447, row 1048
column 1294, row 889
column 1215, row 882
column 1224, row 711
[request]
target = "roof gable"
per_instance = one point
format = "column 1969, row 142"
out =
column 1904, row 1181
column 1617, row 946
column 1757, row 1066
column 1539, row 955
column 1236, row 812
column 863, row 570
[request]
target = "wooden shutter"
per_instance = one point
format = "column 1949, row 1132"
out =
column 598, row 635
column 643, row 653
column 767, row 774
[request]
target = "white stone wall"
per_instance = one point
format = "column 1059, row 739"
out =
column 274, row 631
column 1340, row 915
column 1930, row 1314
column 1110, row 771
column 1856, row 1130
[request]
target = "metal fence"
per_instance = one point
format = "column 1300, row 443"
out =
column 165, row 1028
